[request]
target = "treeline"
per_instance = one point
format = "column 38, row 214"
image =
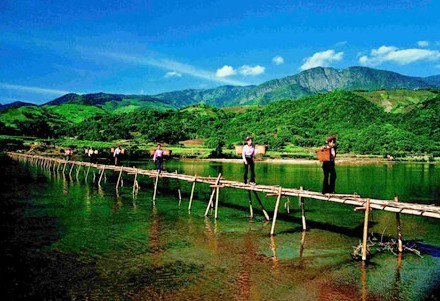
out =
column 361, row 126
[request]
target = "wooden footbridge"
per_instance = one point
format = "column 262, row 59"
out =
column 360, row 203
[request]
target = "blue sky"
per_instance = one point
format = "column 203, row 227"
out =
column 49, row 48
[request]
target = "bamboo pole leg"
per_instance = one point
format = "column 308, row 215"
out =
column 303, row 211
column 216, row 201
column 192, row 192
column 365, row 235
column 277, row 204
column 119, row 179
column 100, row 177
column 87, row 174
column 251, row 211
column 210, row 201
column 71, row 168
column 155, row 188
column 399, row 229
column 212, row 195
column 135, row 181
column 64, row 168
column 77, row 172
column 266, row 215
column 179, row 193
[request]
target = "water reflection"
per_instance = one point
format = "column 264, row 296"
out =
column 177, row 256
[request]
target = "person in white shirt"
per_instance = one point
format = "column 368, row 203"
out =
column 158, row 157
column 248, row 154
column 116, row 154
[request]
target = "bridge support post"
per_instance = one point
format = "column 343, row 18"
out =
column 399, row 229
column 155, row 187
column 266, row 215
column 135, row 183
column 100, row 177
column 217, row 182
column 365, row 236
column 192, row 193
column 303, row 211
column 251, row 211
column 277, row 204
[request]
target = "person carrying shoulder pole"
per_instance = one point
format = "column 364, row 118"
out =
column 328, row 167
column 158, row 157
column 248, row 154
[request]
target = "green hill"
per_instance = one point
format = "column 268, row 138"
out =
column 318, row 80
column 114, row 103
column 75, row 113
column 361, row 126
column 398, row 101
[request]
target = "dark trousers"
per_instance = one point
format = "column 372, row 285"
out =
column 250, row 164
column 328, row 186
column 159, row 163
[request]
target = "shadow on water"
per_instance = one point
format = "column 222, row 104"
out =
column 28, row 270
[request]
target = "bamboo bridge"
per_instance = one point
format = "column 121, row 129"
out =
column 216, row 183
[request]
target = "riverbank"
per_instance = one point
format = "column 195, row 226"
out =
column 136, row 151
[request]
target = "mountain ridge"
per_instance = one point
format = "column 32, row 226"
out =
column 308, row 82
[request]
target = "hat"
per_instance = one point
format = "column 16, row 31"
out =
column 248, row 138
column 331, row 138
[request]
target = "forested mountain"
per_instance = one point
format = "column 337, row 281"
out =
column 361, row 126
column 114, row 102
column 308, row 82
column 385, row 113
column 322, row 80
column 433, row 81
column 217, row 97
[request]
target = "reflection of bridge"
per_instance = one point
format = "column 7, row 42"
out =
column 60, row 165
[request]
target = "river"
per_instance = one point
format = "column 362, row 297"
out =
column 67, row 239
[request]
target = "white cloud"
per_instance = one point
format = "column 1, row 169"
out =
column 170, row 65
column 173, row 74
column 399, row 56
column 423, row 43
column 247, row 70
column 225, row 71
column 322, row 59
column 38, row 90
column 278, row 60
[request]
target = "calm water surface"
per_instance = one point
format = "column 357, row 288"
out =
column 74, row 240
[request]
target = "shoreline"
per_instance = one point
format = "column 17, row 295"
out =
column 340, row 161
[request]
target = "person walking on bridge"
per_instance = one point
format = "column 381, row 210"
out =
column 117, row 154
column 158, row 157
column 248, row 154
column 328, row 186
